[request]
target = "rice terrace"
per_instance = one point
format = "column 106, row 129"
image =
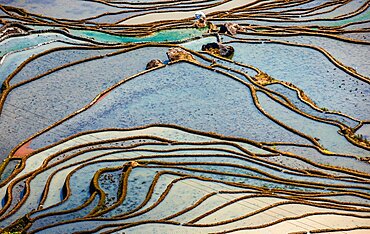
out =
column 188, row 116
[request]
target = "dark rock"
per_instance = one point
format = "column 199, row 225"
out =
column 154, row 63
column 210, row 46
column 175, row 54
column 226, row 50
column 231, row 28
column 219, row 49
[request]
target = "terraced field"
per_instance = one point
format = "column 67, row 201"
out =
column 272, row 139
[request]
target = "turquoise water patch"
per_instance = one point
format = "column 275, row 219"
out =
column 173, row 35
column 161, row 36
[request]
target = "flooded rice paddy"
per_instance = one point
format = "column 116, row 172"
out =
column 272, row 139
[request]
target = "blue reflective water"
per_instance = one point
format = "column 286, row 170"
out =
column 328, row 134
column 293, row 97
column 364, row 16
column 65, row 91
column 55, row 59
column 351, row 54
column 181, row 94
column 312, row 72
